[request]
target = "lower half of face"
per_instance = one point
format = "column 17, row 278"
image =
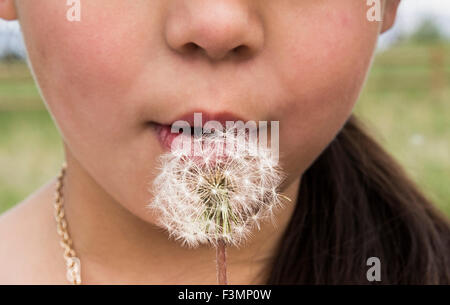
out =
column 129, row 65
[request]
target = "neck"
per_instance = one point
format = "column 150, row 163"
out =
column 116, row 246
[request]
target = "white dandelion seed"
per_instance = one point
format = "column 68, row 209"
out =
column 217, row 197
column 220, row 195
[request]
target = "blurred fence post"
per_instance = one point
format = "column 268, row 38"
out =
column 437, row 62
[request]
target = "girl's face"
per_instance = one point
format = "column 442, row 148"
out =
column 128, row 63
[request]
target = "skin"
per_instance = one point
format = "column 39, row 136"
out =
column 302, row 63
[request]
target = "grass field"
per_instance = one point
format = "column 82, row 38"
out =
column 406, row 102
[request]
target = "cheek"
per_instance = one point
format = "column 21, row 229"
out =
column 86, row 72
column 84, row 69
column 323, row 69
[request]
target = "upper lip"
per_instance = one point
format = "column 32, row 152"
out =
column 221, row 117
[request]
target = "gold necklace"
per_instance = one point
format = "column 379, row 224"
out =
column 73, row 264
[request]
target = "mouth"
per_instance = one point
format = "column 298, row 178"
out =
column 192, row 124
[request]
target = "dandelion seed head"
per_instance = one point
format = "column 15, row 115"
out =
column 220, row 194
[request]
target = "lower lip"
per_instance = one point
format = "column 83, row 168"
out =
column 165, row 136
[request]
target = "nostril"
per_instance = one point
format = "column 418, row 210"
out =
column 238, row 49
column 191, row 47
column 242, row 51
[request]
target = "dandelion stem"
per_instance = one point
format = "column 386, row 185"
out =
column 221, row 262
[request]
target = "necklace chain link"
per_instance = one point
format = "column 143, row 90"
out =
column 73, row 264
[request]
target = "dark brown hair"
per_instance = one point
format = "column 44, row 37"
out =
column 356, row 202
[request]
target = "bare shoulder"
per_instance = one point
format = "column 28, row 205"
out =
column 28, row 241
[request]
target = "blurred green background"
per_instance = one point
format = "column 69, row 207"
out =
column 406, row 102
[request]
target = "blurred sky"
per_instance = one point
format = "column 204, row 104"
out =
column 410, row 15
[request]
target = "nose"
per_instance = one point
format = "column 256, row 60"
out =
column 216, row 29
